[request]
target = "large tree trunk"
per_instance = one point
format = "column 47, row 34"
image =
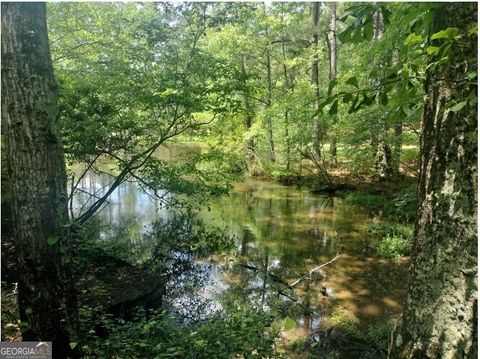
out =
column 332, row 56
column 47, row 300
column 440, row 318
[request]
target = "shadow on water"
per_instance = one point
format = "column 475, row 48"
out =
column 280, row 234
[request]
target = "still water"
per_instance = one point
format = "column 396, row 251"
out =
column 280, row 233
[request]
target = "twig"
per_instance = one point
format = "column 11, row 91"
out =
column 390, row 343
column 313, row 270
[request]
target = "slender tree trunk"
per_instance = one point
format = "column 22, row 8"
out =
column 269, row 104
column 397, row 155
column 332, row 56
column 383, row 157
column 440, row 318
column 398, row 130
column 285, row 112
column 46, row 294
column 250, row 145
column 314, row 81
column 287, row 141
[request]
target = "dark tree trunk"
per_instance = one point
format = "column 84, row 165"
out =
column 440, row 318
column 47, row 300
column 332, row 55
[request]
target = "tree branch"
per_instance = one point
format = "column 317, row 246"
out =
column 314, row 270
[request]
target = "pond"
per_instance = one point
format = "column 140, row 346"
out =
column 280, row 233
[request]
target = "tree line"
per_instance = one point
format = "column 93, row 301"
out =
column 295, row 86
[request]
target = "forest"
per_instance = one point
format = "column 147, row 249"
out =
column 226, row 180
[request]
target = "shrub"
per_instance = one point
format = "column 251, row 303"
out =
column 393, row 247
column 401, row 207
column 395, row 239
column 348, row 330
column 245, row 333
column 405, row 204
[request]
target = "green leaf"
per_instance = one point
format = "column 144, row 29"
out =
column 346, row 35
column 52, row 240
column 73, row 345
column 368, row 29
column 433, row 50
column 331, row 85
column 289, row 324
column 276, row 326
column 357, row 36
column 323, row 104
column 352, row 81
column 384, row 99
column 334, row 108
column 347, row 97
column 458, row 106
column 386, row 14
column 201, row 343
column 448, row 33
column 413, row 38
column 352, row 108
column 367, row 100
column 471, row 75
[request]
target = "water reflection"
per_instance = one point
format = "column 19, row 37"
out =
column 280, row 234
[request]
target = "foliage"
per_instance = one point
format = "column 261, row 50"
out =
column 393, row 247
column 390, row 229
column 126, row 90
column 10, row 313
column 347, row 324
column 400, row 207
column 395, row 239
column 243, row 333
column 239, row 79
column 346, row 331
column 405, row 204
column 152, row 248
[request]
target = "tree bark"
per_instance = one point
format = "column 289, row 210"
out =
column 314, row 81
column 250, row 144
column 383, row 160
column 332, row 56
column 287, row 87
column 46, row 294
column 397, row 154
column 269, row 104
column 440, row 318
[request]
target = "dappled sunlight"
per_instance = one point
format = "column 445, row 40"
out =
column 288, row 233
